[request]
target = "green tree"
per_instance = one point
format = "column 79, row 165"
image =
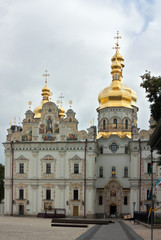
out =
column 1, row 182
column 152, row 87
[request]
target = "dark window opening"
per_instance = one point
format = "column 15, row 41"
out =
column 126, row 150
column 48, row 168
column 48, row 194
column 100, row 200
column 115, row 123
column 113, row 172
column 101, row 172
column 125, row 200
column 125, row 172
column 126, row 124
column 75, row 195
column 101, row 150
column 21, row 194
column 76, row 168
column 149, row 168
column 148, row 194
column 21, row 168
column 104, row 124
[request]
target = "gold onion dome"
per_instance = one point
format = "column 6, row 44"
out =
column 62, row 112
column 45, row 98
column 117, row 94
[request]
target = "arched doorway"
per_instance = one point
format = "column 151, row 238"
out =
column 113, row 209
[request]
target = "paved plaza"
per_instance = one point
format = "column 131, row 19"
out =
column 32, row 228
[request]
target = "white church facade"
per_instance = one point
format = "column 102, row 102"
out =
column 50, row 164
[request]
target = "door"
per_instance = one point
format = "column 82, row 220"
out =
column 21, row 209
column 75, row 211
column 113, row 210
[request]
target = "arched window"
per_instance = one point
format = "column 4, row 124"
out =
column 115, row 75
column 126, row 150
column 125, row 172
column 126, row 124
column 115, row 123
column 101, row 172
column 101, row 150
column 100, row 200
column 113, row 172
column 125, row 200
column 104, row 124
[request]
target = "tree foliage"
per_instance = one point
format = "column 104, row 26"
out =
column 152, row 87
column 1, row 182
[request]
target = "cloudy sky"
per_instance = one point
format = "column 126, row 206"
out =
column 73, row 39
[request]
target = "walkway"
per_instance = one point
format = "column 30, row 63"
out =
column 113, row 231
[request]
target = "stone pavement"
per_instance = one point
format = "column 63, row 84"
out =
column 145, row 232
column 114, row 231
column 32, row 228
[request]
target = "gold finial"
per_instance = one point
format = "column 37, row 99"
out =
column 117, row 43
column 15, row 120
column 70, row 102
column 19, row 121
column 10, row 123
column 61, row 97
column 50, row 94
column 92, row 122
column 46, row 74
column 58, row 102
column 29, row 103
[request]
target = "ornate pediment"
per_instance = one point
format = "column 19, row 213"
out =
column 21, row 158
column 76, row 157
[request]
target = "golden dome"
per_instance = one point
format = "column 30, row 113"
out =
column 62, row 112
column 45, row 98
column 117, row 94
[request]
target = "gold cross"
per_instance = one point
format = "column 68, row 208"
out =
column 61, row 97
column 117, row 43
column 46, row 74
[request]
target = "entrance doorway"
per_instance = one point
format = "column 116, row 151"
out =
column 21, row 209
column 75, row 211
column 113, row 210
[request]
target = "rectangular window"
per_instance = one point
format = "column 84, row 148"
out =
column 21, row 168
column 75, row 195
column 21, row 194
column 148, row 194
column 76, row 168
column 48, row 194
column 149, row 168
column 48, row 168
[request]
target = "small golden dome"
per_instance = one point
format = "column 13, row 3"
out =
column 62, row 112
column 45, row 98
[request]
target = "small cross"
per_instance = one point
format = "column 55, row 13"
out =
column 46, row 74
column 117, row 43
column 61, row 97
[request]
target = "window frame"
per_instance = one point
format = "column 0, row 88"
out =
column 75, row 194
column 21, row 168
column 76, row 169
column 48, row 169
column 48, row 194
column 21, row 193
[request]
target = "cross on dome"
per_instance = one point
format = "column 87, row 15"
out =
column 117, row 43
column 46, row 74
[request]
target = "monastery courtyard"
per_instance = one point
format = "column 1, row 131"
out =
column 24, row 228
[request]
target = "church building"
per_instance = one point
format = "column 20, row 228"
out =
column 102, row 172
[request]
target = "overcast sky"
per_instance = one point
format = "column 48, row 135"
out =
column 73, row 39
